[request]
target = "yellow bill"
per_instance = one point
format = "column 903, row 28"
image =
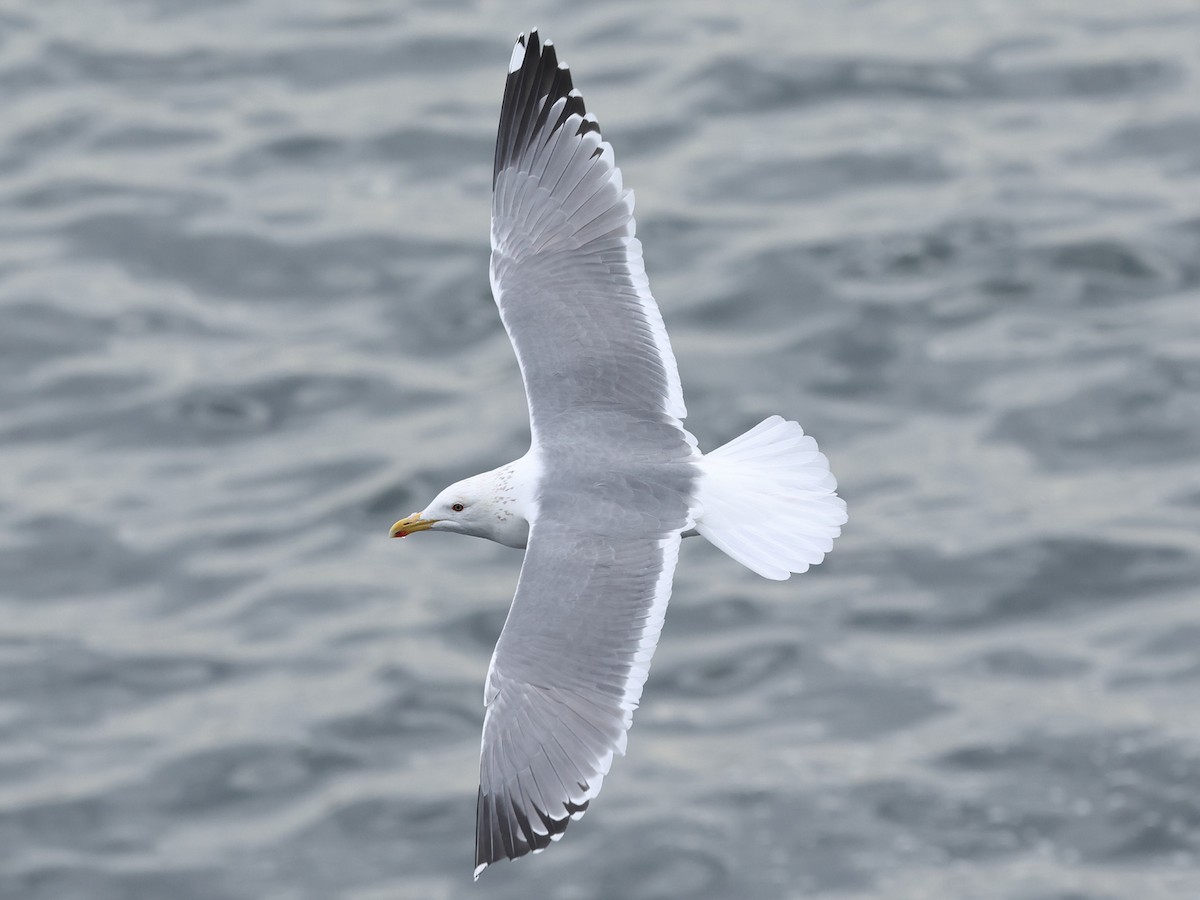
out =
column 405, row 527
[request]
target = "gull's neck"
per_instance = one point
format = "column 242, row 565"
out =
column 511, row 492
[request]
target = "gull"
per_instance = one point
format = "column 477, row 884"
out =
column 612, row 481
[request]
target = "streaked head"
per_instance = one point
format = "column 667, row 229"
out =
column 481, row 506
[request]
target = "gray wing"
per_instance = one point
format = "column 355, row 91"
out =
column 566, row 269
column 615, row 488
column 566, row 676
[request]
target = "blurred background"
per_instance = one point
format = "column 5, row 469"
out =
column 245, row 324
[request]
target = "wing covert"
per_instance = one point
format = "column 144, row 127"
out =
column 565, row 677
column 566, row 268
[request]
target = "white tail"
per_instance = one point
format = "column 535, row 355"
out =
column 768, row 499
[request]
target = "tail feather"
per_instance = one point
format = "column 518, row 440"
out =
column 768, row 500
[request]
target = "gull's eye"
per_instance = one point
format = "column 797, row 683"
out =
column 457, row 507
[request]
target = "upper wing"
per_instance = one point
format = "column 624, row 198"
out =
column 605, row 406
column 566, row 268
column 565, row 678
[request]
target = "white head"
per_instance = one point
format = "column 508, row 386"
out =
column 482, row 506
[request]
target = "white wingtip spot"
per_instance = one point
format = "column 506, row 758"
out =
column 479, row 868
column 514, row 62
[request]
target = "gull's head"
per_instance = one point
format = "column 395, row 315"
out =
column 482, row 506
column 454, row 509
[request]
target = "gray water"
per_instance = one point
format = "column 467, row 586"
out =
column 245, row 324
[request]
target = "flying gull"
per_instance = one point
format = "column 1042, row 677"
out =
column 612, row 480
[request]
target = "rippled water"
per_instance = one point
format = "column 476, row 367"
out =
column 245, row 324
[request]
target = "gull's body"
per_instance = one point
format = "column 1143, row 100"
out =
column 611, row 481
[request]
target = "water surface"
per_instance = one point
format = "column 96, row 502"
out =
column 245, row 324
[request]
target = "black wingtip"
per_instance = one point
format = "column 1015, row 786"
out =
column 504, row 831
column 536, row 81
column 589, row 124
